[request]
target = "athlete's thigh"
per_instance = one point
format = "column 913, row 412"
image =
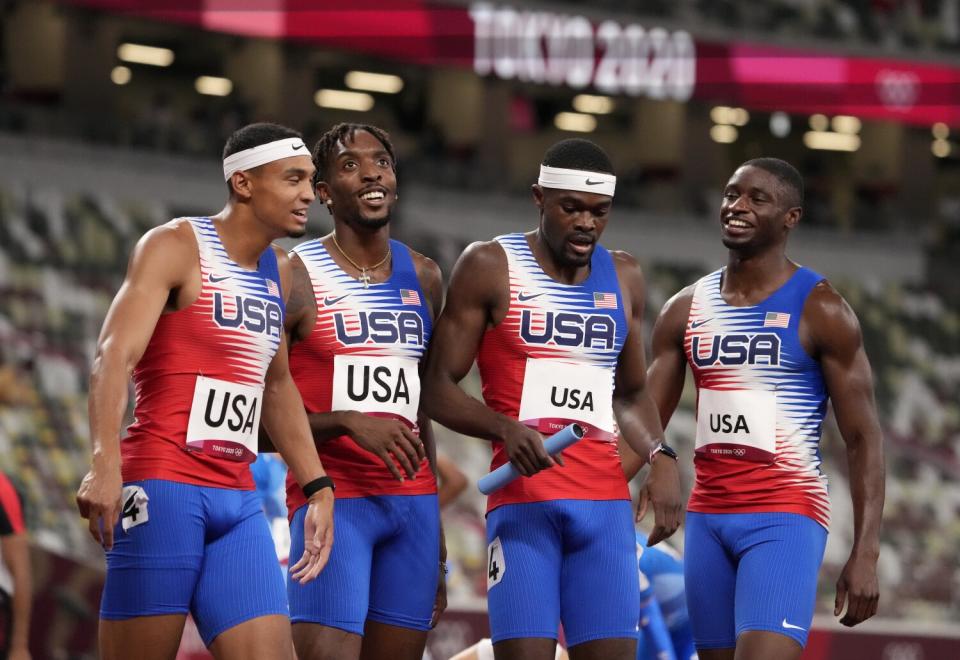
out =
column 385, row 642
column 710, row 579
column 339, row 596
column 406, row 565
column 599, row 581
column 260, row 638
column 146, row 637
column 241, row 578
column 153, row 567
column 524, row 555
column 780, row 559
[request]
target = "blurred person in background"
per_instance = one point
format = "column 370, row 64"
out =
column 16, row 582
column 768, row 342
column 554, row 320
column 664, row 622
column 198, row 321
column 452, row 481
column 359, row 320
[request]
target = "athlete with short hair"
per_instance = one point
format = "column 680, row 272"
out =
column 768, row 342
column 555, row 323
column 198, row 322
column 359, row 321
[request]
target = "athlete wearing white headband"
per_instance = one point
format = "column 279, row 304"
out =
column 263, row 154
column 579, row 180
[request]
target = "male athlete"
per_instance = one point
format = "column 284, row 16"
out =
column 768, row 342
column 554, row 321
column 199, row 323
column 359, row 319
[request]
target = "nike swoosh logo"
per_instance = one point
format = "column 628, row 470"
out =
column 593, row 183
column 214, row 279
column 697, row 324
column 523, row 297
column 298, row 147
column 333, row 301
column 790, row 625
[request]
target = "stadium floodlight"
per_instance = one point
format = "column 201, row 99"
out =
column 575, row 121
column 213, row 85
column 941, row 148
column 373, row 82
column 723, row 134
column 940, row 131
column 721, row 114
column 830, row 141
column 141, row 54
column 780, row 124
column 819, row 122
column 593, row 104
column 341, row 99
column 846, row 124
column 120, row 75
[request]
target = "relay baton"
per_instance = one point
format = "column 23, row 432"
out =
column 507, row 473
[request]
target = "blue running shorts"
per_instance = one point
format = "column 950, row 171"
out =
column 383, row 567
column 751, row 571
column 573, row 561
column 196, row 549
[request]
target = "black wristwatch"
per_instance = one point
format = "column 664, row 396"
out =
column 665, row 449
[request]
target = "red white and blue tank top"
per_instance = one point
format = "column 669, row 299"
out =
column 199, row 385
column 551, row 362
column 362, row 354
column 761, row 400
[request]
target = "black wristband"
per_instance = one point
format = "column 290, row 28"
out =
column 317, row 485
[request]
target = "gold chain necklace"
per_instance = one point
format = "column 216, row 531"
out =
column 363, row 269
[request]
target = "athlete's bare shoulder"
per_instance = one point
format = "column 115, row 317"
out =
column 672, row 321
column 480, row 280
column 431, row 280
column 828, row 321
column 301, row 310
column 170, row 248
column 483, row 254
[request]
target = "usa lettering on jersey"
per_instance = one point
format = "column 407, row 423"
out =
column 253, row 314
column 380, row 327
column 568, row 329
column 735, row 349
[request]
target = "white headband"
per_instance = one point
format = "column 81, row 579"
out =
column 581, row 180
column 260, row 155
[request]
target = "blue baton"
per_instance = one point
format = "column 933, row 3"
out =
column 507, row 473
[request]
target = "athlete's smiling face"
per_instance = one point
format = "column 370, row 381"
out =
column 571, row 223
column 361, row 182
column 756, row 212
column 280, row 193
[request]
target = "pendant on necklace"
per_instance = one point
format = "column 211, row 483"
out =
column 364, row 278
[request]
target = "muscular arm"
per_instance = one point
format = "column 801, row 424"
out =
column 831, row 326
column 667, row 370
column 635, row 410
column 476, row 297
column 284, row 416
column 285, row 420
column 162, row 262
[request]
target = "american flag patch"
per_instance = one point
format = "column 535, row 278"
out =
column 776, row 320
column 272, row 288
column 605, row 300
column 409, row 297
